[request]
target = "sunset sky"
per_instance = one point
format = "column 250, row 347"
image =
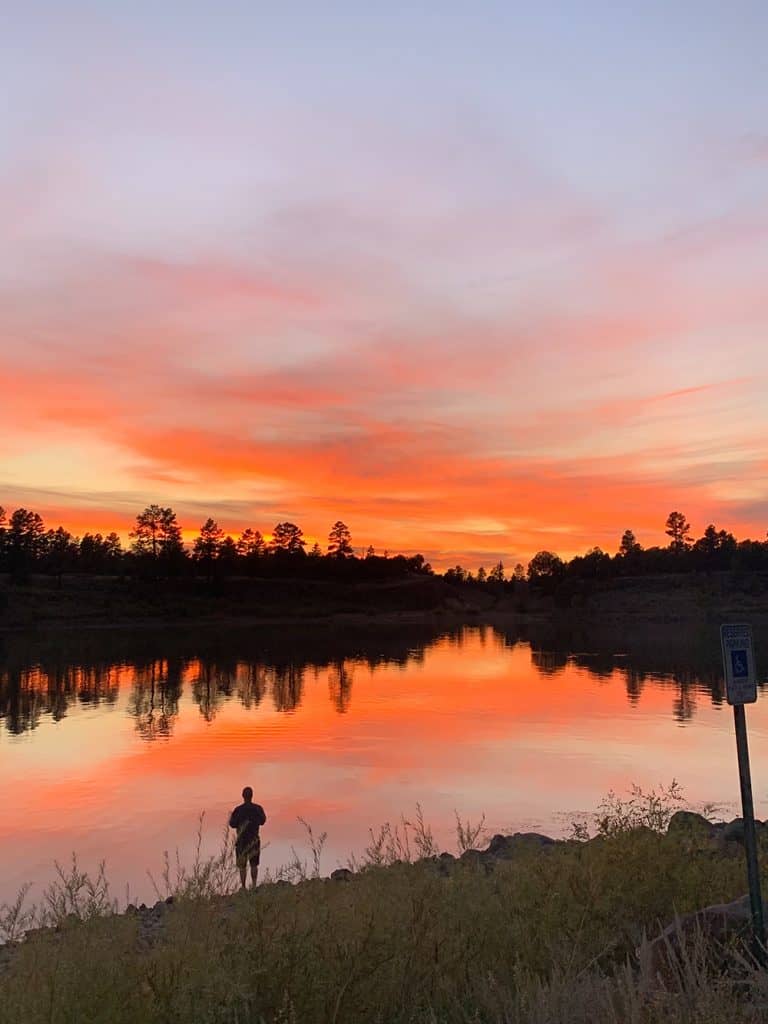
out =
column 477, row 279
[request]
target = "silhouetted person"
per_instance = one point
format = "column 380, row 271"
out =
column 248, row 819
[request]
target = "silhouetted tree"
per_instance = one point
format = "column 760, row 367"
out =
column 496, row 575
column 315, row 551
column 61, row 552
column 339, row 540
column 156, row 531
column 157, row 537
column 24, row 540
column 481, row 574
column 99, row 554
column 370, row 551
column 288, row 538
column 205, row 549
column 417, row 563
column 595, row 564
column 251, row 548
column 518, row 573
column 545, row 564
column 715, row 549
column 227, row 557
column 678, row 528
column 91, row 553
column 629, row 545
column 113, row 550
column 455, row 575
column 714, row 541
column 250, row 544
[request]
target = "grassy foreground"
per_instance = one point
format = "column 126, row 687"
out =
column 546, row 937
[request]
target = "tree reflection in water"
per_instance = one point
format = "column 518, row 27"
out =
column 46, row 678
column 340, row 676
column 155, row 695
column 30, row 693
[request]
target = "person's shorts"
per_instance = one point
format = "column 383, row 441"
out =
column 249, row 854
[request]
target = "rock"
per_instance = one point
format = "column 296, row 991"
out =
column 442, row 861
column 445, row 863
column 690, row 824
column 722, row 926
column 342, row 875
column 734, row 831
column 504, row 847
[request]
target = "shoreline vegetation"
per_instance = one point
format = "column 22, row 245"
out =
column 606, row 926
column 73, row 601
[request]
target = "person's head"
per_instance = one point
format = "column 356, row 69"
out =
column 247, row 794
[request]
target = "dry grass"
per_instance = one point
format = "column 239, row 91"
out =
column 546, row 937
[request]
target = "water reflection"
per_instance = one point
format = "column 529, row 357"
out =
column 155, row 695
column 46, row 678
column 27, row 694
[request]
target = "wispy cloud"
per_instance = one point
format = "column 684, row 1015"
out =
column 425, row 318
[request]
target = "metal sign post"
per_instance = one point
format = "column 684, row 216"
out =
column 741, row 689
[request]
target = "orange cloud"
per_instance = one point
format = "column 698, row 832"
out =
column 468, row 438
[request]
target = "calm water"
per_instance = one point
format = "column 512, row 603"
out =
column 113, row 744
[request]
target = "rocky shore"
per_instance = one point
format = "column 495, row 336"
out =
column 719, row 838
column 638, row 925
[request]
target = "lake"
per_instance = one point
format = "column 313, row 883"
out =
column 113, row 743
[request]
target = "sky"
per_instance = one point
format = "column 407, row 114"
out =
column 476, row 279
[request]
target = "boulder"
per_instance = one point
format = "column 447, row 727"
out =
column 688, row 824
column 342, row 875
column 734, row 831
column 442, row 861
column 723, row 927
column 504, row 847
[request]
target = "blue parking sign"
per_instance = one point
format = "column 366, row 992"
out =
column 738, row 663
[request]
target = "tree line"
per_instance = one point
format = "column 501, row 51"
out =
column 156, row 548
column 715, row 551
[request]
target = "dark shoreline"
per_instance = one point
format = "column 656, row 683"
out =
column 105, row 603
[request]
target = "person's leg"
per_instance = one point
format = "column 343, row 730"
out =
column 254, row 859
column 243, row 870
column 242, row 867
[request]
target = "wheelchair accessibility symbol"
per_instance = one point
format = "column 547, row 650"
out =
column 739, row 664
